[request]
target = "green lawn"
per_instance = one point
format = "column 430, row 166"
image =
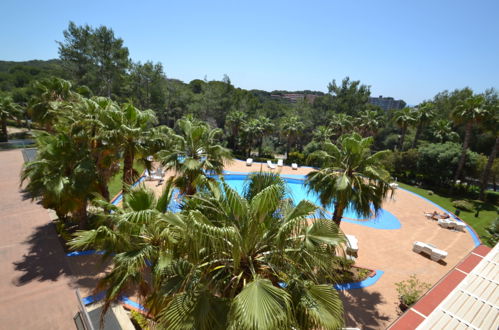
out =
column 115, row 183
column 488, row 213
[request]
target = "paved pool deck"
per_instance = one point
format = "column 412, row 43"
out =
column 376, row 306
column 36, row 288
column 37, row 280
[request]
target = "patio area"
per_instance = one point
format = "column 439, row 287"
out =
column 376, row 306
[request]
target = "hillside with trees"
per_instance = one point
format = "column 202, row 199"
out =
column 447, row 143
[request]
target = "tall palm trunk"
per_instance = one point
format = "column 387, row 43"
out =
column 488, row 167
column 260, row 146
column 81, row 215
column 339, row 207
column 288, row 146
column 467, row 136
column 104, row 190
column 4, row 137
column 416, row 136
column 402, row 138
column 128, row 171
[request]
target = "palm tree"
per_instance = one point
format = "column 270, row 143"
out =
column 491, row 123
column 266, row 127
column 253, row 130
column 62, row 176
column 133, row 125
column 341, row 123
column 322, row 134
column 292, row 128
column 235, row 121
column 195, row 153
column 369, row 122
column 468, row 112
column 49, row 94
column 137, row 232
column 404, row 118
column 423, row 114
column 350, row 176
column 442, row 130
column 225, row 261
column 8, row 109
column 93, row 122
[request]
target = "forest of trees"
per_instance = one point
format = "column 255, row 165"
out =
column 97, row 63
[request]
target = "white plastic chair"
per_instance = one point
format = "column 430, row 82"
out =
column 270, row 165
column 294, row 166
column 353, row 244
column 280, row 162
column 249, row 161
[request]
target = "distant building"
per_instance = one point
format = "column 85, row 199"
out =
column 387, row 103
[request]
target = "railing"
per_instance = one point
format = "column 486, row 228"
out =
column 82, row 319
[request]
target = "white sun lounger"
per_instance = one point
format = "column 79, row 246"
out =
column 460, row 226
column 445, row 223
column 294, row 166
column 394, row 185
column 431, row 250
column 152, row 177
column 280, row 162
column 249, row 161
column 270, row 165
column 452, row 224
column 352, row 245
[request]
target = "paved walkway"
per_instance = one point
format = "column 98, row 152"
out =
column 375, row 307
column 35, row 284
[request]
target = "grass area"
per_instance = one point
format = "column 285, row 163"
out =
column 115, row 183
column 487, row 215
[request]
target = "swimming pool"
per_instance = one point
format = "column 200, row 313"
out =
column 298, row 192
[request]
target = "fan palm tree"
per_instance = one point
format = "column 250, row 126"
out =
column 195, row 153
column 491, row 124
column 131, row 129
column 267, row 127
column 92, row 122
column 226, row 261
column 350, row 176
column 49, row 94
column 235, row 121
column 404, row 118
column 62, row 176
column 468, row 112
column 442, row 131
column 292, row 128
column 8, row 109
column 322, row 134
column 253, row 130
column 138, row 233
column 369, row 123
column 423, row 114
column 341, row 123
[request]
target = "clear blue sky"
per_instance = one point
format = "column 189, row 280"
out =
column 405, row 49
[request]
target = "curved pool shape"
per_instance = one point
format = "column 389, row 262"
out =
column 298, row 192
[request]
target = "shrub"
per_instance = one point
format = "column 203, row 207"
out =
column 493, row 233
column 411, row 290
column 492, row 197
column 295, row 157
column 438, row 162
column 463, row 205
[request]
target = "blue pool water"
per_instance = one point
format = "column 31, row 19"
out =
column 298, row 192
